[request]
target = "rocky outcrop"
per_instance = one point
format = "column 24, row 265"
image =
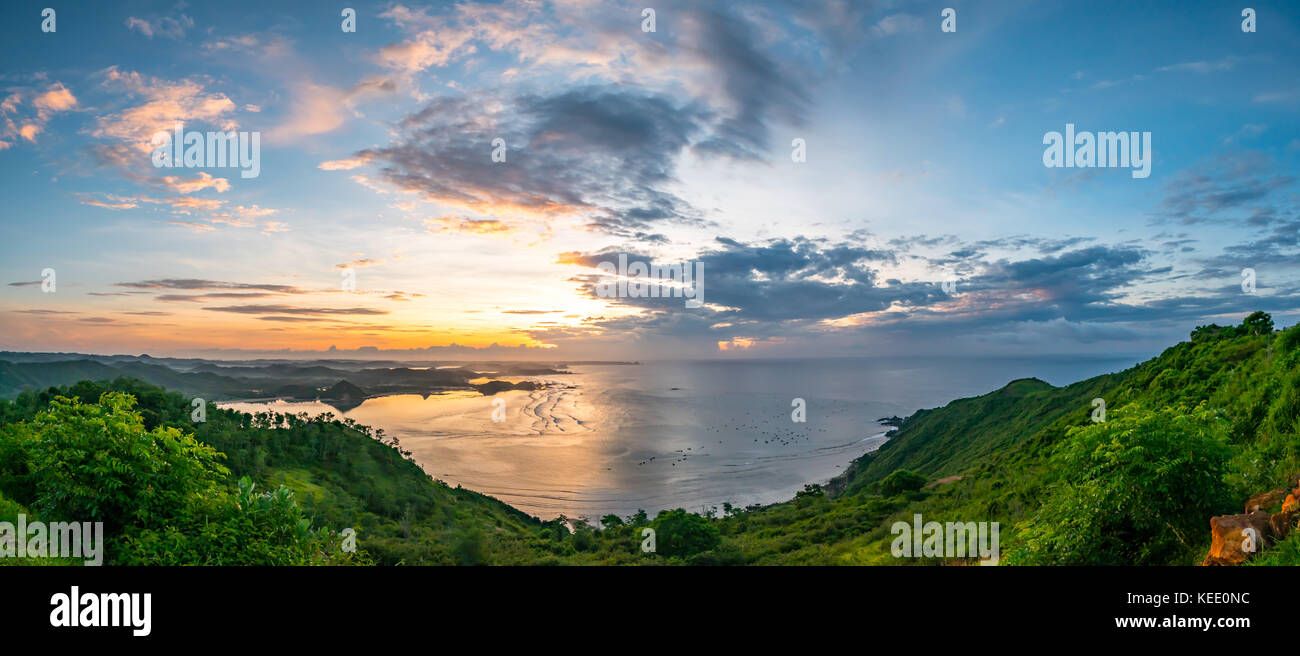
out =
column 1234, row 539
column 1281, row 524
column 1237, row 538
column 1266, row 500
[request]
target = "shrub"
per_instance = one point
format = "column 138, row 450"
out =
column 1134, row 490
column 682, row 534
column 901, row 480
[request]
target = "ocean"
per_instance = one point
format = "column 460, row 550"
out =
column 615, row 438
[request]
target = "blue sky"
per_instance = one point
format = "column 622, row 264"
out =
column 924, row 164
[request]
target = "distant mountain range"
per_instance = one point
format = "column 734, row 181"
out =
column 344, row 381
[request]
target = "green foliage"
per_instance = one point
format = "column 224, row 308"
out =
column 992, row 458
column 682, row 534
column 1136, row 489
column 1258, row 323
column 1191, row 433
column 902, row 480
column 1283, row 554
column 166, row 499
column 162, row 496
column 96, row 462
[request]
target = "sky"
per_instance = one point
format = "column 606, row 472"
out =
column 850, row 178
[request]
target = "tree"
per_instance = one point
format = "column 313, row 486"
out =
column 160, row 493
column 97, row 462
column 1206, row 333
column 1133, row 490
column 901, row 480
column 1258, row 323
column 682, row 534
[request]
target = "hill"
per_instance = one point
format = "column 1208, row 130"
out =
column 1124, row 468
column 1191, row 433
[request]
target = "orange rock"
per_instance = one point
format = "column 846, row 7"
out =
column 1265, row 501
column 1281, row 524
column 1236, row 538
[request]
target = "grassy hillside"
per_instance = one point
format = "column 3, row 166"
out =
column 340, row 475
column 1027, row 456
column 1189, row 434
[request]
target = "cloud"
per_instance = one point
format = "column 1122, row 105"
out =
column 318, row 109
column 428, row 48
column 821, row 294
column 111, row 205
column 294, row 310
column 1223, row 187
column 757, row 281
column 1277, row 96
column 468, row 226
column 193, row 203
column 213, row 211
column 607, row 146
column 241, row 216
column 200, row 284
column 264, row 47
column 192, row 225
column 164, row 103
column 1225, row 64
column 56, row 98
column 198, row 298
column 26, row 111
column 358, row 263
column 897, row 24
column 346, row 164
column 164, row 26
column 603, row 153
column 202, row 181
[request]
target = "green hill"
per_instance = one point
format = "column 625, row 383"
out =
column 1013, row 456
column 341, row 475
column 16, row 378
column 1187, row 435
